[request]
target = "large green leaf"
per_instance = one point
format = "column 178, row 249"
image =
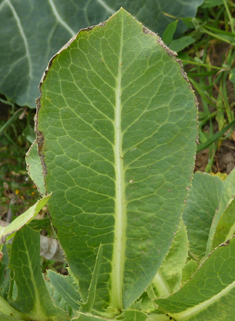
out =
column 32, row 299
column 31, row 32
column 210, row 294
column 116, row 130
column 203, row 200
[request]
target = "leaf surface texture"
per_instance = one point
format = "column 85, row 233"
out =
column 119, row 125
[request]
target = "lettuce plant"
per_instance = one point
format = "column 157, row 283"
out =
column 116, row 138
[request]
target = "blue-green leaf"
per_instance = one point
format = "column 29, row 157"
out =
column 24, row 57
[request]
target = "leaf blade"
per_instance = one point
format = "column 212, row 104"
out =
column 203, row 200
column 32, row 299
column 210, row 293
column 85, row 163
column 34, row 168
column 65, row 289
column 25, row 218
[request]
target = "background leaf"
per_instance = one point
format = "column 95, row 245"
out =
column 59, row 300
column 203, row 200
column 88, row 305
column 32, row 296
column 212, row 3
column 20, row 221
column 132, row 315
column 226, row 225
column 119, row 127
column 209, row 295
column 65, row 287
column 24, row 58
column 168, row 278
column 189, row 269
column 181, row 43
column 4, row 317
column 34, row 168
column 4, row 273
column 7, row 309
column 227, row 196
column 168, row 33
column 89, row 317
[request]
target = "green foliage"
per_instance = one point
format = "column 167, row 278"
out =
column 66, row 288
column 8, row 232
column 169, row 276
column 116, row 131
column 209, row 295
column 26, row 56
column 32, row 298
column 34, row 168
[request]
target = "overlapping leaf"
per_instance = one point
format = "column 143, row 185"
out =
column 210, row 294
column 203, row 200
column 118, row 120
column 168, row 278
column 227, row 196
column 226, row 225
column 32, row 297
column 34, row 168
column 9, row 231
column 132, row 315
column 27, row 46
column 89, row 317
column 65, row 288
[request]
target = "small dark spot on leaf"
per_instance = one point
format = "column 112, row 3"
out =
column 225, row 243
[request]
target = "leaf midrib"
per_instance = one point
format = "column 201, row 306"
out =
column 185, row 315
column 37, row 312
column 120, row 208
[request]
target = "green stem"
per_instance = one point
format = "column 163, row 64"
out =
column 200, row 64
column 229, row 16
column 217, row 36
column 214, row 137
column 10, row 120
